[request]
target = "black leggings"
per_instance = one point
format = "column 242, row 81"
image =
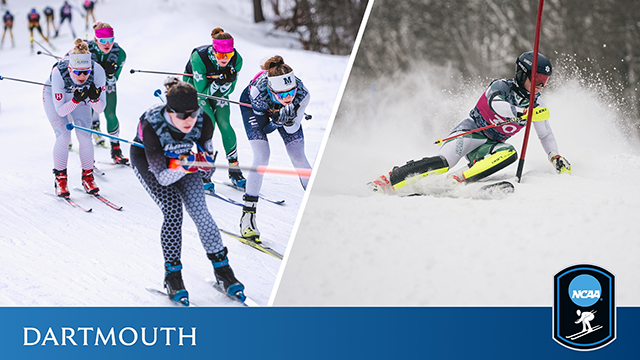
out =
column 187, row 191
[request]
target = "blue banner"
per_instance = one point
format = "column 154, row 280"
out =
column 295, row 333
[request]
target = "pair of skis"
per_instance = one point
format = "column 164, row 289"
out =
column 96, row 196
column 241, row 298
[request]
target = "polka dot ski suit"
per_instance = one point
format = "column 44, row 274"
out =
column 171, row 189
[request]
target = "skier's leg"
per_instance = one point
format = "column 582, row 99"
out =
column 486, row 160
column 295, row 149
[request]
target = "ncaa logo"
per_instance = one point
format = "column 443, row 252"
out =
column 584, row 312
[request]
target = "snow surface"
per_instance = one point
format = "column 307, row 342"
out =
column 53, row 254
column 354, row 247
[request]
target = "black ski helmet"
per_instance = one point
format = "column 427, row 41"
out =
column 524, row 64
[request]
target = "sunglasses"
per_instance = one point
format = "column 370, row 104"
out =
column 221, row 55
column 105, row 40
column 81, row 72
column 284, row 94
column 541, row 79
column 186, row 114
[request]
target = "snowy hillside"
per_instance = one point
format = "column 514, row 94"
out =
column 53, row 254
column 375, row 249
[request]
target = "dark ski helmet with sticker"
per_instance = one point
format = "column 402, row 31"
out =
column 524, row 63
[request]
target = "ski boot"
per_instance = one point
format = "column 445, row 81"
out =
column 173, row 282
column 208, row 185
column 60, row 183
column 116, row 154
column 224, row 275
column 97, row 138
column 88, row 182
column 235, row 175
column 412, row 171
column 248, row 227
column 381, row 185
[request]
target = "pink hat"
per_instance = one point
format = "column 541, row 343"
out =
column 223, row 45
column 103, row 33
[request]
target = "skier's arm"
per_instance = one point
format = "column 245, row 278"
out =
column 545, row 134
column 299, row 115
column 99, row 79
column 122, row 57
column 200, row 81
column 155, row 157
column 63, row 108
column 237, row 68
column 206, row 136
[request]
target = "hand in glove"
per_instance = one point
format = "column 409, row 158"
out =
column 539, row 113
column 560, row 163
column 94, row 92
column 80, row 95
column 109, row 67
column 228, row 74
column 204, row 157
column 184, row 163
column 287, row 115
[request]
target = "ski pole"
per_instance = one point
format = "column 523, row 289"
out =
column 24, row 81
column 306, row 116
column 539, row 114
column 441, row 141
column 262, row 169
column 157, row 94
column 71, row 127
column 48, row 54
column 258, row 169
column 44, row 48
column 169, row 73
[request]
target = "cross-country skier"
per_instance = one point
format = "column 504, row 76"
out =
column 278, row 99
column 8, row 25
column 49, row 16
column 486, row 151
column 34, row 23
column 65, row 14
column 108, row 53
column 74, row 88
column 88, row 10
column 176, row 128
column 215, row 69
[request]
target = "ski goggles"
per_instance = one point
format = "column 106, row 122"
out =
column 186, row 114
column 105, row 40
column 81, row 72
column 282, row 95
column 541, row 79
column 221, row 55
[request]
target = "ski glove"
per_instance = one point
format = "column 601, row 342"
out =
column 80, row 95
column 184, row 164
column 539, row 113
column 94, row 92
column 561, row 164
column 228, row 75
column 204, row 157
column 109, row 67
column 287, row 115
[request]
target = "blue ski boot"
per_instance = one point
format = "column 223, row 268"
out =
column 173, row 282
column 224, row 275
column 235, row 175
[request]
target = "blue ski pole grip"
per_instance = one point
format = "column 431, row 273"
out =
column 69, row 126
column 157, row 94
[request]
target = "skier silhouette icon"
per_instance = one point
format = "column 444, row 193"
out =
column 585, row 318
